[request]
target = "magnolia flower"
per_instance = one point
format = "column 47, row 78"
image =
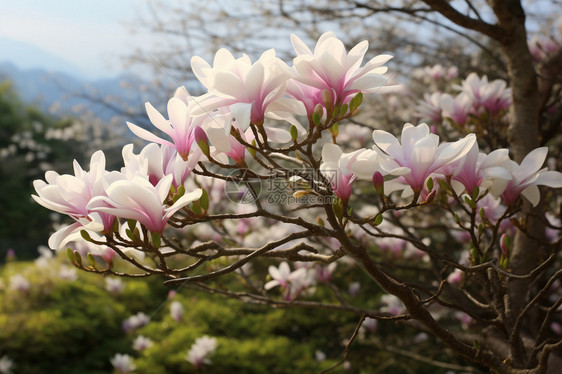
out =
column 114, row 285
column 420, row 152
column 200, row 350
column 292, row 282
column 527, row 176
column 135, row 321
column 70, row 195
column 176, row 311
column 138, row 199
column 392, row 305
column 154, row 162
column 430, row 107
column 479, row 169
column 141, row 343
column 336, row 167
column 256, row 87
column 457, row 108
column 331, row 67
column 494, row 96
column 123, row 363
column 179, row 127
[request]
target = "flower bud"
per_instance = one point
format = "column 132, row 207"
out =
column 378, row 182
column 202, row 140
column 505, row 243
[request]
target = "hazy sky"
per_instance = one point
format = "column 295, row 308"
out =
column 90, row 34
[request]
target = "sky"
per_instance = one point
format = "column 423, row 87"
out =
column 93, row 35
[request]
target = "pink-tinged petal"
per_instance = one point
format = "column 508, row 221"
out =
column 205, row 104
column 533, row 161
column 452, row 152
column 222, row 59
column 550, row 179
column 147, row 135
column 183, row 201
column 377, row 61
column 423, row 154
column 227, row 83
column 254, row 81
column 61, row 236
column 497, row 157
column 158, row 119
column 269, row 285
column 411, row 134
column 331, row 153
column 532, row 194
column 284, row 270
column 368, row 83
column 163, row 188
column 200, row 68
column 182, row 94
column 334, row 70
column 357, row 53
column 299, row 46
column 219, row 139
column 241, row 112
column 177, row 111
column 274, row 272
column 384, row 140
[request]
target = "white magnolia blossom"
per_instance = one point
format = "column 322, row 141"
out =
column 201, row 350
column 123, row 363
column 141, row 343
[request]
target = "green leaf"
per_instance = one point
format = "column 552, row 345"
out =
column 204, row 200
column 316, row 118
column 429, row 184
column 132, row 224
column 70, row 255
column 378, row 220
column 294, row 133
column 91, row 260
column 85, row 235
column 78, row 258
column 343, row 110
column 355, row 102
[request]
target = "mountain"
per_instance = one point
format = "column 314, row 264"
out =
column 64, row 94
column 29, row 56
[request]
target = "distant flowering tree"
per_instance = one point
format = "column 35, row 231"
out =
column 265, row 136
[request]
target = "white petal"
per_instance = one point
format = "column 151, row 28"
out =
column 147, row 135
column 532, row 194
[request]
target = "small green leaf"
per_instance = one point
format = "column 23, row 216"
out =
column 294, row 133
column 132, row 224
column 335, row 129
column 356, row 102
column 129, row 234
column 70, row 255
column 429, row 184
column 378, row 220
column 115, row 226
column 343, row 110
column 470, row 202
column 337, row 207
column 204, row 200
column 85, row 235
column 476, row 344
column 316, row 118
column 91, row 260
column 78, row 258
column 475, row 193
column 252, row 150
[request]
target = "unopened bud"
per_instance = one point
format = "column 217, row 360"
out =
column 505, row 243
column 430, row 197
column 328, row 100
column 378, row 182
column 202, row 140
